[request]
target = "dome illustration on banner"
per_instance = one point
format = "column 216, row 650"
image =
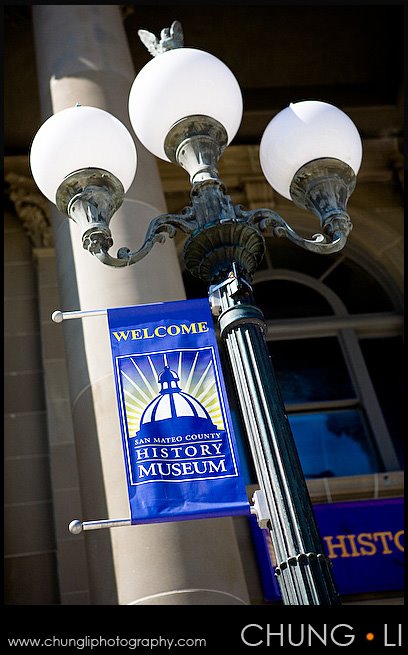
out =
column 173, row 392
column 173, row 411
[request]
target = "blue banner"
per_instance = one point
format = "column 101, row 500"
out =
column 179, row 448
column 363, row 539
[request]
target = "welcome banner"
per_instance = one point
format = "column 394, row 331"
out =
column 179, row 448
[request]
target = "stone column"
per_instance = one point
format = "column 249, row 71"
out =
column 83, row 56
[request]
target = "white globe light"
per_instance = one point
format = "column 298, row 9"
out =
column 81, row 137
column 302, row 132
column 179, row 83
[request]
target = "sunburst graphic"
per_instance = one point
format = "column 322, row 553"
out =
column 195, row 368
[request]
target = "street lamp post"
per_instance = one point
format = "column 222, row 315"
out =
column 185, row 106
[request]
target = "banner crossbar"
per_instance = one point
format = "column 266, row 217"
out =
column 59, row 316
column 76, row 526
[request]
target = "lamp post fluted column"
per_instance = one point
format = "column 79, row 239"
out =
column 302, row 569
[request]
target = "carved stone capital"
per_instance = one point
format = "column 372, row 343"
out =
column 32, row 209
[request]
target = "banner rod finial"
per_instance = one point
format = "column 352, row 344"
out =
column 57, row 317
column 75, row 527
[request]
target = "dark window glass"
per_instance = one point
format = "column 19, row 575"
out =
column 284, row 254
column 334, row 444
column 311, row 370
column 286, row 299
column 384, row 357
column 360, row 292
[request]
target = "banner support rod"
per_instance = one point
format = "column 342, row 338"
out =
column 259, row 509
column 59, row 316
column 76, row 526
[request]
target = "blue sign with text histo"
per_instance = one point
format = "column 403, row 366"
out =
column 179, row 448
column 364, row 540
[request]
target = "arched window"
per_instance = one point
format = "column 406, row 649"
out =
column 334, row 332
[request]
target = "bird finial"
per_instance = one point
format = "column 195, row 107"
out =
column 170, row 38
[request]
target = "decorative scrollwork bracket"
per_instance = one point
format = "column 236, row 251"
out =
column 218, row 232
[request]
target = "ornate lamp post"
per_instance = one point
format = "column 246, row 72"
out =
column 185, row 106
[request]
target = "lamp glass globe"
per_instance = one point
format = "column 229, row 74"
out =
column 180, row 83
column 81, row 137
column 302, row 132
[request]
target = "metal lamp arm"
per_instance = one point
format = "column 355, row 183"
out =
column 270, row 223
column 98, row 242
